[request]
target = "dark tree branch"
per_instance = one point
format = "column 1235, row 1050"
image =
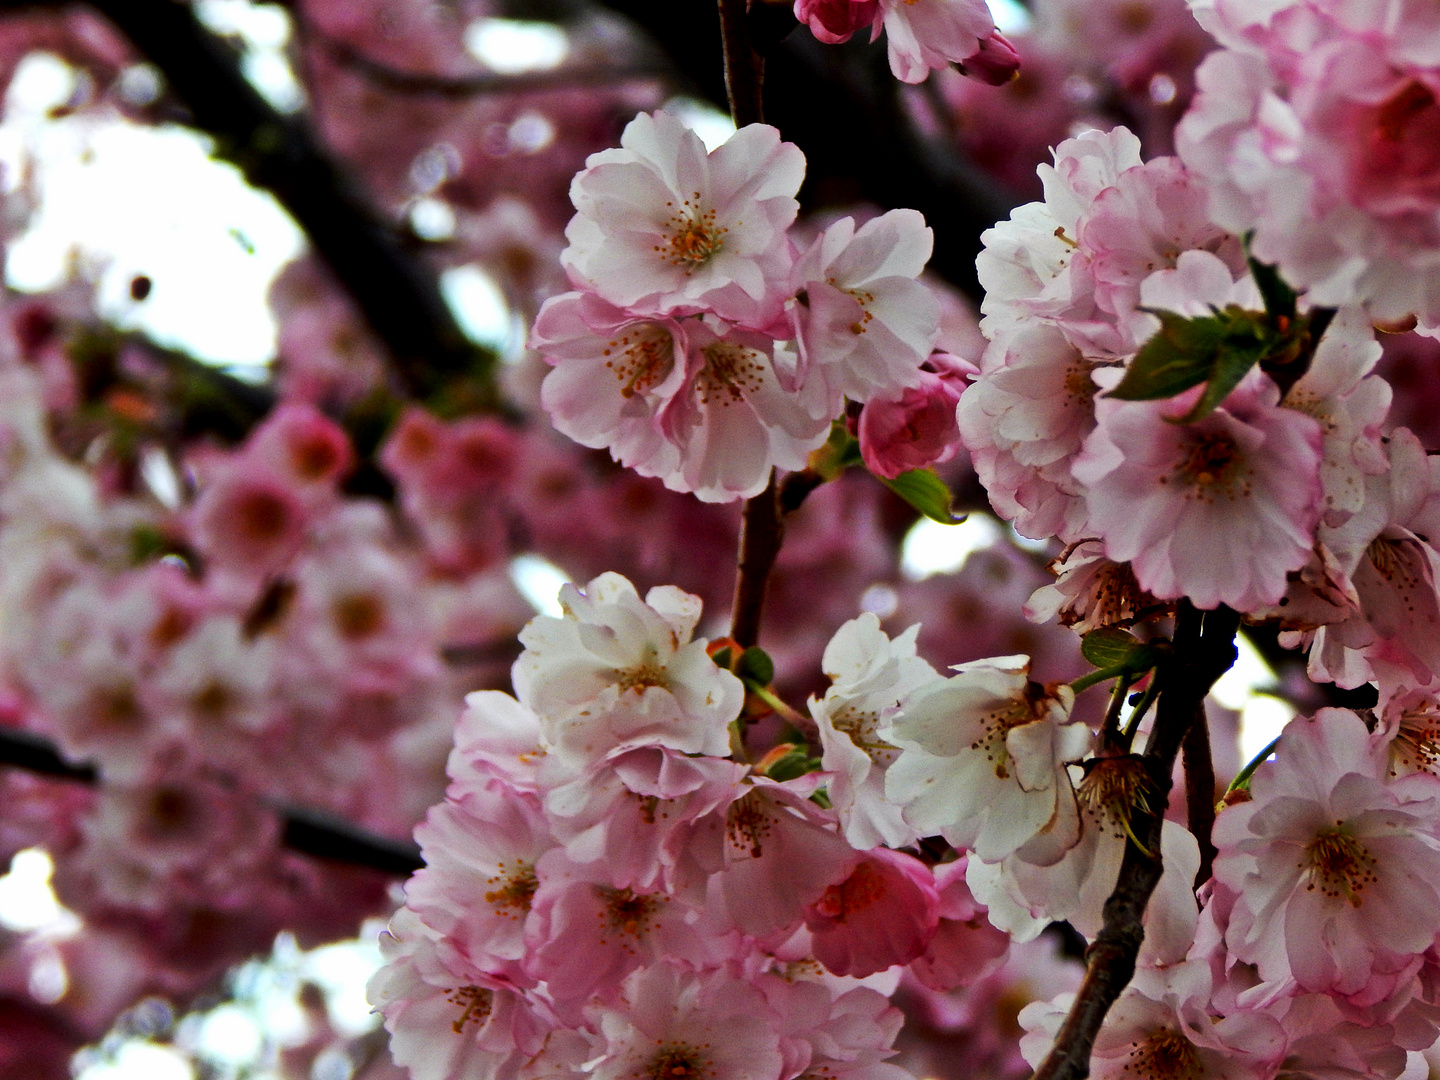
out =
column 1204, row 650
column 312, row 832
column 744, row 67
column 1200, row 793
column 762, row 530
column 397, row 295
column 468, row 86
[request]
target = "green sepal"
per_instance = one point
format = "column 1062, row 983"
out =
column 756, row 666
column 793, row 765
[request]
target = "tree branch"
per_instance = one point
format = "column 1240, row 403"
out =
column 397, row 295
column 312, row 832
column 744, row 67
column 762, row 530
column 1200, row 793
column 1204, row 650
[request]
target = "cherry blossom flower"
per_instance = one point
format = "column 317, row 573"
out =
column 966, row 947
column 615, row 670
column 663, row 227
column 833, row 21
column 925, row 34
column 883, row 914
column 673, row 1023
column 1316, row 132
column 919, row 428
column 863, row 322
column 982, row 761
column 872, row 675
column 1333, row 865
column 1219, row 510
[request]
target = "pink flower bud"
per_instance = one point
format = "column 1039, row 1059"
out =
column 920, row 428
column 995, row 62
column 833, row 21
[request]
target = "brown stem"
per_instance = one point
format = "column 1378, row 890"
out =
column 1199, row 659
column 744, row 67
column 762, row 530
column 1200, row 793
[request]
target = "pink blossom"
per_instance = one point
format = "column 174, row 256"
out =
column 1024, row 421
column 448, row 1019
column 480, row 851
column 618, row 671
column 675, row 1023
column 872, row 674
column 833, row 21
column 919, row 429
column 583, row 937
column 1317, row 132
column 965, row 947
column 1219, row 510
column 925, row 34
column 1334, row 867
column 640, row 818
column 1091, row 591
column 844, row 1032
column 982, row 761
column 249, row 521
column 663, row 226
column 781, row 853
column 883, row 914
column 704, row 411
column 299, row 440
column 863, row 322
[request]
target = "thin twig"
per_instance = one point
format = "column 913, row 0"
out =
column 1204, row 650
column 313, row 832
column 762, row 530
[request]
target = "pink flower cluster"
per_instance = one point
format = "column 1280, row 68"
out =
column 607, row 890
column 1317, row 129
column 1227, row 509
column 702, row 346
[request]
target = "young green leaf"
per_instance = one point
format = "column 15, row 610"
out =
column 1108, row 646
column 926, row 492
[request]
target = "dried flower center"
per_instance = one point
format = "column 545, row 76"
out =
column 514, row 888
column 676, row 1061
column 261, row 516
column 1113, row 789
column 358, row 616
column 640, row 357
column 748, row 822
column 475, row 1004
column 627, row 913
column 649, row 672
column 694, row 237
column 1339, row 865
column 1213, row 466
column 314, row 457
column 1165, row 1055
column 997, row 724
column 1079, row 386
column 1417, row 742
column 730, row 372
column 858, row 725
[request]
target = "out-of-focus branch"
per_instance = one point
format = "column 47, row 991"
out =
column 1204, row 650
column 468, row 86
column 398, row 295
column 1200, row 794
column 312, row 832
column 744, row 67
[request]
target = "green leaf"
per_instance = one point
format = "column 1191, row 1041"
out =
column 1108, row 646
column 1217, row 349
column 1279, row 297
column 722, row 658
column 756, row 666
column 926, row 492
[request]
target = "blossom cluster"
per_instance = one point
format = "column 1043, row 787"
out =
column 701, row 345
column 607, row 886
